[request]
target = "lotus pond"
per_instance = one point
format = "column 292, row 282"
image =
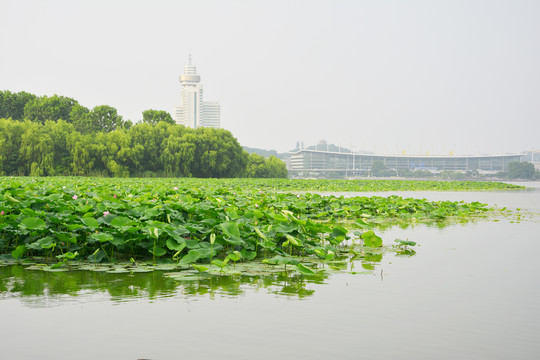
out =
column 440, row 274
column 205, row 224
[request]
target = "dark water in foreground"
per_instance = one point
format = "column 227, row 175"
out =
column 470, row 292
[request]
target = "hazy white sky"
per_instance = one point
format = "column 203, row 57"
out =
column 385, row 76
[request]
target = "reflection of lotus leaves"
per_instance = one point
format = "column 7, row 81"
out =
column 17, row 281
column 368, row 266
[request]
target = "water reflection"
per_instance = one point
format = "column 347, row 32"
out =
column 42, row 288
column 38, row 288
column 16, row 281
column 282, row 283
column 116, row 283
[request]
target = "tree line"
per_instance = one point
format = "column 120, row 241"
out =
column 515, row 171
column 46, row 136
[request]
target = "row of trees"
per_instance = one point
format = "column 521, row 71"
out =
column 104, row 118
column 42, row 136
column 25, row 106
column 57, row 148
column 521, row 170
column 516, row 170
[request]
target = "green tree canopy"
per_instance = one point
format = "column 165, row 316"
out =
column 49, row 108
column 61, row 137
column 80, row 117
column 105, row 118
column 152, row 117
column 260, row 167
column 379, row 169
column 12, row 104
column 520, row 170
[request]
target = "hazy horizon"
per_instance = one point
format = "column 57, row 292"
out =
column 393, row 76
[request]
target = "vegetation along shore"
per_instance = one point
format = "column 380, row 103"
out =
column 206, row 223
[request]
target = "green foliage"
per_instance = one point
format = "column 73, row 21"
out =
column 58, row 148
column 49, row 108
column 153, row 117
column 260, row 167
column 62, row 137
column 144, row 283
column 194, row 220
column 405, row 242
column 191, row 257
column 12, row 104
column 418, row 174
column 216, row 154
column 521, row 170
column 378, row 169
column 263, row 152
column 304, row 270
column 32, row 223
column 105, row 118
column 371, row 240
column 18, row 252
column 80, row 117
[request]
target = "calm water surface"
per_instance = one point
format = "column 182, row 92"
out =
column 470, row 292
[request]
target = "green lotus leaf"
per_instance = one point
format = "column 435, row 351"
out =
column 281, row 260
column 18, row 252
column 73, row 227
column 33, row 223
column 248, row 255
column 200, row 268
column 174, row 245
column 231, row 232
column 406, row 242
column 66, row 238
column 68, row 255
column 304, row 270
column 230, row 229
column 158, row 251
column 190, row 257
column 44, row 243
column 220, row 263
column 102, row 237
column 120, row 221
column 371, row 240
column 339, row 231
column 90, row 222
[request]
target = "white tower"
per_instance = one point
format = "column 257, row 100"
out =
column 194, row 112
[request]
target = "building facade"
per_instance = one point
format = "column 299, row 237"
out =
column 211, row 113
column 307, row 162
column 533, row 156
column 194, row 112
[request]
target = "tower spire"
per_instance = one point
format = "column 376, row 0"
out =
column 189, row 61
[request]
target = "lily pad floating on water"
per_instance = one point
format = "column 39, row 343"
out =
column 140, row 270
column 60, row 269
column 35, row 267
column 100, row 268
column 166, row 267
column 117, row 270
column 186, row 276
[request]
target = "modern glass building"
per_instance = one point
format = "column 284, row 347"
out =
column 307, row 162
column 194, row 112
